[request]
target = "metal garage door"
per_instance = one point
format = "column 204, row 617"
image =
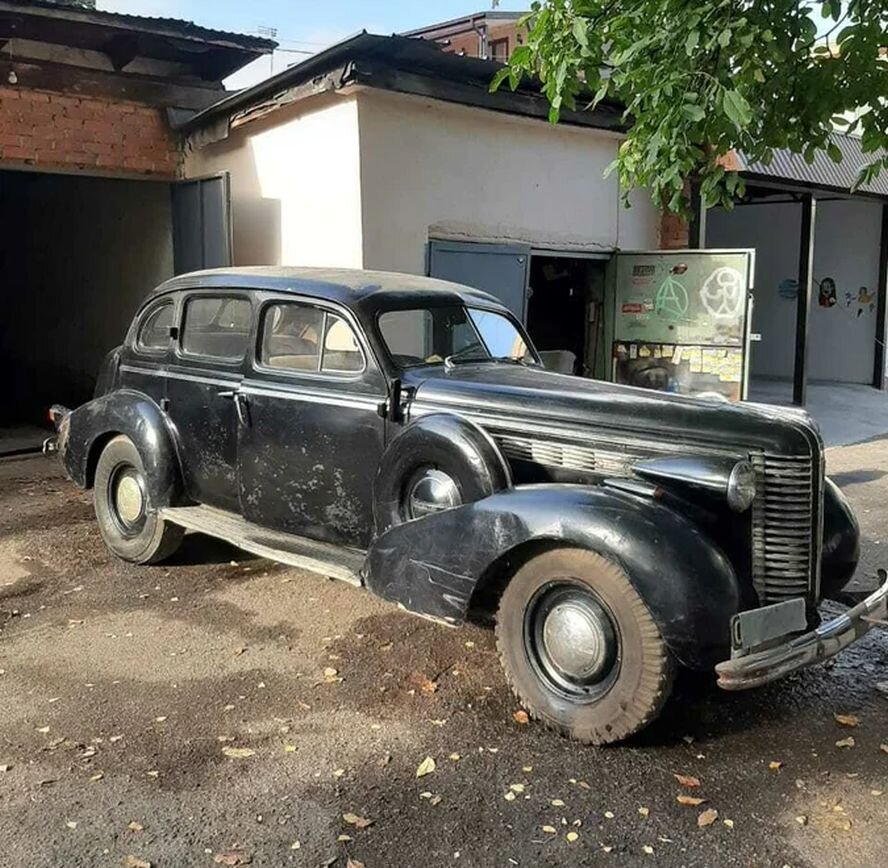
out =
column 502, row 270
column 201, row 224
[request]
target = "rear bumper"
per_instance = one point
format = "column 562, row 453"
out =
column 58, row 415
column 757, row 668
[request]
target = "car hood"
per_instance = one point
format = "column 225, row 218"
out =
column 501, row 392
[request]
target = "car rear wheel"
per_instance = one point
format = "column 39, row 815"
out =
column 580, row 648
column 130, row 527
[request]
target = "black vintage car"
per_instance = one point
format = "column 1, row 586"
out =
column 400, row 433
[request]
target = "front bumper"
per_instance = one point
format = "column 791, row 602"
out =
column 761, row 667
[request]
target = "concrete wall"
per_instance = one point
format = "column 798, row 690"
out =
column 82, row 253
column 842, row 337
column 295, row 184
column 429, row 168
column 54, row 131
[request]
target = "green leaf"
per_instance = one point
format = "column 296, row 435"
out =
column 737, row 108
column 580, row 33
column 724, row 38
column 693, row 112
column 692, row 41
column 835, row 153
column 499, row 78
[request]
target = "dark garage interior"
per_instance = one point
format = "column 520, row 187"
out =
column 78, row 255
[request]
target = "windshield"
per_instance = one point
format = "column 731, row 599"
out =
column 433, row 335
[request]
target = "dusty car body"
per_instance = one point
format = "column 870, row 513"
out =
column 400, row 433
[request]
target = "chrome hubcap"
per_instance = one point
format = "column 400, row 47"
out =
column 431, row 491
column 572, row 640
column 575, row 641
column 127, row 495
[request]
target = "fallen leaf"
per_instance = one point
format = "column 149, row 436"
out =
column 135, row 827
column 729, row 823
column 5, row 767
column 607, row 848
column 557, row 803
column 428, row 687
column 518, row 788
column 689, row 800
column 426, row 767
column 687, row 780
column 455, row 757
column 802, row 820
column 644, row 812
column 296, row 845
column 550, row 830
column 775, row 765
column 239, row 650
column 136, row 862
column 237, row 752
column 43, row 729
column 707, row 818
column 71, row 824
column 521, row 716
column 356, row 821
column 160, row 719
column 509, row 796
column 648, row 849
column 847, row 719
column 846, row 742
column 344, row 839
column 570, row 837
column 232, row 859
column 353, row 863
column 883, row 748
column 609, row 815
column 527, row 769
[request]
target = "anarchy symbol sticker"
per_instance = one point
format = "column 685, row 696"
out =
column 671, row 302
column 722, row 293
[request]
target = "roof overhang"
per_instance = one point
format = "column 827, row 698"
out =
column 209, row 55
column 402, row 65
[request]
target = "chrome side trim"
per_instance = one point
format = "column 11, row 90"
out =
column 331, row 399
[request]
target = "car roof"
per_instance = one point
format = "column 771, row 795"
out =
column 349, row 286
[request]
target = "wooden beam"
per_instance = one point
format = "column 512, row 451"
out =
column 805, row 295
column 76, row 81
column 882, row 306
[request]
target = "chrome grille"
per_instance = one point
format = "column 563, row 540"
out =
column 783, row 516
column 570, row 456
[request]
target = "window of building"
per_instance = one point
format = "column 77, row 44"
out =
column 498, row 49
column 218, row 327
column 154, row 333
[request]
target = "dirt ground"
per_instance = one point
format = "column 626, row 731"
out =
column 224, row 710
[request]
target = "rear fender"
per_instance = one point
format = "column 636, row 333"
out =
column 134, row 414
column 433, row 565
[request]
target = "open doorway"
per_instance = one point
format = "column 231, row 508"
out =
column 79, row 255
column 564, row 312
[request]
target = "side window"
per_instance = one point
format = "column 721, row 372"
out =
column 342, row 352
column 291, row 336
column 218, row 327
column 154, row 332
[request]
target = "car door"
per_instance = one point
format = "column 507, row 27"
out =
column 313, row 436
column 203, row 376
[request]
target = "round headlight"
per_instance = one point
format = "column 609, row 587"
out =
column 741, row 487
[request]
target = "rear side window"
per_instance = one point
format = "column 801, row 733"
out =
column 291, row 337
column 154, row 333
column 216, row 327
column 299, row 337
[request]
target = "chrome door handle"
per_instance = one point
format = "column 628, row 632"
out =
column 228, row 393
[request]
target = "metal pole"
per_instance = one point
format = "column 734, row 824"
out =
column 806, row 291
column 881, row 306
column 697, row 229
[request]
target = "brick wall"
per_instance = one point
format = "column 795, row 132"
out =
column 674, row 232
column 59, row 131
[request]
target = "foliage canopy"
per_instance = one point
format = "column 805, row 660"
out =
column 699, row 78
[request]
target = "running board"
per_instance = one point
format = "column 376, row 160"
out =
column 328, row 559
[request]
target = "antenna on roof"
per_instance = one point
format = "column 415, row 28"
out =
column 268, row 33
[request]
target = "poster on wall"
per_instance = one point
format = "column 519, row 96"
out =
column 680, row 321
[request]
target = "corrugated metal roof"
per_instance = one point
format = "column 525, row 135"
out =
column 182, row 28
column 823, row 172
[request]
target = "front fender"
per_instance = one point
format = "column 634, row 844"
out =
column 432, row 565
column 136, row 415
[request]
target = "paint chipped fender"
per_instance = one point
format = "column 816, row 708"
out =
column 758, row 668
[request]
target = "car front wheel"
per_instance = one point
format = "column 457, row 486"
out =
column 130, row 527
column 580, row 648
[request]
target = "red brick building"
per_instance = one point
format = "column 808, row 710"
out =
column 490, row 35
column 90, row 159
